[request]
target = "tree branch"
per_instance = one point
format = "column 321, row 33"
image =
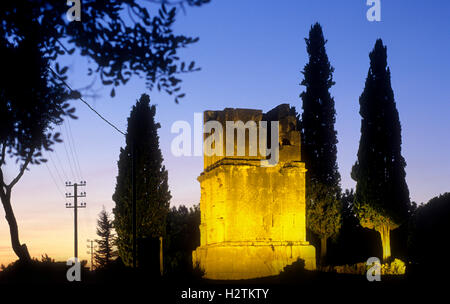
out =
column 62, row 45
column 2, row 160
column 21, row 172
column 3, row 155
column 2, row 183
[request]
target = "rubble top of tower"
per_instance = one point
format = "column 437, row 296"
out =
column 288, row 134
column 234, row 114
column 245, row 114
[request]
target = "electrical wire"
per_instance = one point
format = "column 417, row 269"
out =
column 75, row 150
column 87, row 104
column 68, row 158
column 54, row 180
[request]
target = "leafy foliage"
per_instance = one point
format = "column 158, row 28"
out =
column 354, row 243
column 324, row 211
column 106, row 244
column 46, row 259
column 30, row 103
column 182, row 237
column 38, row 273
column 121, row 38
column 429, row 229
column 153, row 195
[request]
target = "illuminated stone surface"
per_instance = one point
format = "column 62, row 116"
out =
column 253, row 217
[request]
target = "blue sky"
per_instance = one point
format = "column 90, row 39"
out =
column 251, row 53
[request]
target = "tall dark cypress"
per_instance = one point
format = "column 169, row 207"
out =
column 382, row 195
column 153, row 195
column 319, row 139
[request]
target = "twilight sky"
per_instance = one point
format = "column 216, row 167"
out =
column 251, row 53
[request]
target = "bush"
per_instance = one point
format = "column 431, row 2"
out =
column 395, row 267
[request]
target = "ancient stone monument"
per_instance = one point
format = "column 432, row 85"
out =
column 253, row 216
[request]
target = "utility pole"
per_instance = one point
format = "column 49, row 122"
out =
column 75, row 207
column 92, row 247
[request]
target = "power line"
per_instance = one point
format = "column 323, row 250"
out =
column 75, row 149
column 56, row 169
column 68, row 157
column 66, row 177
column 72, row 153
column 87, row 104
column 133, row 169
column 54, row 180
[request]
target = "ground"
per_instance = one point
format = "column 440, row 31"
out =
column 298, row 284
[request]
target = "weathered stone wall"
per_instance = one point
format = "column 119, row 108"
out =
column 237, row 261
column 253, row 217
column 242, row 201
column 229, row 114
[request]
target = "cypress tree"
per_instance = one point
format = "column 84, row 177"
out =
column 153, row 195
column 106, row 244
column 319, row 139
column 382, row 195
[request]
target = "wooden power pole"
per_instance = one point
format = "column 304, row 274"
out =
column 75, row 207
column 92, row 247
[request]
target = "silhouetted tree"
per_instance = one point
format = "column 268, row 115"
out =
column 153, row 196
column 319, row 140
column 354, row 242
column 30, row 106
column 382, row 195
column 106, row 244
column 340, row 251
column 323, row 214
column 429, row 228
column 119, row 38
column 182, row 237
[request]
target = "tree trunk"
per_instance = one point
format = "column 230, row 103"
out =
column 20, row 250
column 323, row 249
column 385, row 234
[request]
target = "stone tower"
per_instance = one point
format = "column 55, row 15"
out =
column 252, row 216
